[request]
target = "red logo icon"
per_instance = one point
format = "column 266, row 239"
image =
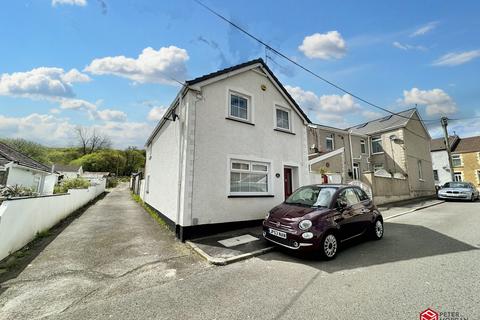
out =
column 429, row 314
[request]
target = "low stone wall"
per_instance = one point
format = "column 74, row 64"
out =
column 21, row 219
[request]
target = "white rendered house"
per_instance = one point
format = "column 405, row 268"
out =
column 441, row 166
column 231, row 146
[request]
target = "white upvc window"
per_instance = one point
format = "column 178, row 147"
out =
column 329, row 143
column 458, row 176
column 363, row 147
column 457, row 160
column 420, row 170
column 249, row 177
column 282, row 118
column 377, row 145
column 239, row 106
column 435, row 175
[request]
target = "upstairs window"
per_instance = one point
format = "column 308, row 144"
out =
column 329, row 144
column 457, row 160
column 282, row 119
column 420, row 170
column 435, row 175
column 239, row 106
column 377, row 145
column 363, row 147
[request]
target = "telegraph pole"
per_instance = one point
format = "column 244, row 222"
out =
column 444, row 122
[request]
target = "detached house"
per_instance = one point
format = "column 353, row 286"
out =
column 232, row 145
column 21, row 170
column 390, row 154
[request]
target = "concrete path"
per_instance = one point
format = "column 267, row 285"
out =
column 114, row 248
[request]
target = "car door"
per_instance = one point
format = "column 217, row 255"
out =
column 347, row 213
column 366, row 210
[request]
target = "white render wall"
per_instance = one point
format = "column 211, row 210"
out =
column 25, row 177
column 161, row 183
column 218, row 139
column 22, row 219
column 440, row 163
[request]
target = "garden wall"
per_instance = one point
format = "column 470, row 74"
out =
column 21, row 219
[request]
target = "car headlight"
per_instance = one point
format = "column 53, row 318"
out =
column 267, row 215
column 305, row 224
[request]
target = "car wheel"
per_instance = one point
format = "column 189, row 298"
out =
column 377, row 230
column 329, row 246
column 472, row 198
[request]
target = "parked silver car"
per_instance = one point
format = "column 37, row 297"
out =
column 458, row 190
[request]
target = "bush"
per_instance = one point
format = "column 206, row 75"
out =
column 112, row 182
column 17, row 191
column 77, row 183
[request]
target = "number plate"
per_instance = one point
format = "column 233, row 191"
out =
column 277, row 233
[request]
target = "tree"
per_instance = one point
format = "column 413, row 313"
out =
column 90, row 141
column 103, row 161
column 135, row 160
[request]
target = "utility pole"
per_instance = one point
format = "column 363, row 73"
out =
column 444, row 122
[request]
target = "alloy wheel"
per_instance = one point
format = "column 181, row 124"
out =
column 379, row 229
column 330, row 246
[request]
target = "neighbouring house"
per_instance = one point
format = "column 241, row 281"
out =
column 440, row 164
column 68, row 171
column 95, row 177
column 231, row 146
column 18, row 169
column 390, row 154
column 466, row 160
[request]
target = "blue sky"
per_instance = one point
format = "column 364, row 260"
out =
column 108, row 64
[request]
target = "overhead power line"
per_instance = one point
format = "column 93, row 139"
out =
column 301, row 66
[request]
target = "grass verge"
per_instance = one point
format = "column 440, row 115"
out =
column 152, row 213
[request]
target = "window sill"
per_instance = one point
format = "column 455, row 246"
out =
column 240, row 120
column 421, row 180
column 375, row 153
column 284, row 131
column 251, row 196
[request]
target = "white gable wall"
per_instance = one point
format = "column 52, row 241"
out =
column 441, row 164
column 218, row 139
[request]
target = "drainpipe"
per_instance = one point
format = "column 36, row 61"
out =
column 180, row 158
column 351, row 149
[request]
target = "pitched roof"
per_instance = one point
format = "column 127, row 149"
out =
column 471, row 144
column 8, row 154
column 382, row 124
column 439, row 144
column 66, row 168
column 247, row 64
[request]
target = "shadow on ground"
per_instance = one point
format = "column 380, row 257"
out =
column 401, row 242
column 14, row 264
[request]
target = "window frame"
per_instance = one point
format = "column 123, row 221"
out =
column 251, row 163
column 435, row 175
column 363, row 146
column 477, row 175
column 242, row 94
column 330, row 137
column 377, row 139
column 376, row 165
column 459, row 158
column 458, row 173
column 275, row 120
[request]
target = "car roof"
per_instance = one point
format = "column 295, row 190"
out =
column 325, row 185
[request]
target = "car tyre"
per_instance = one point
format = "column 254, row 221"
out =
column 377, row 230
column 329, row 246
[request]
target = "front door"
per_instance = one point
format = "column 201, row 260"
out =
column 287, row 182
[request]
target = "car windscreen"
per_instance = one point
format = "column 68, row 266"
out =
column 312, row 196
column 456, row 185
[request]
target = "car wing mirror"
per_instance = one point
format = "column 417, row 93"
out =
column 341, row 205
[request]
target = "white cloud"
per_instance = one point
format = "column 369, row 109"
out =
column 110, row 115
column 456, row 58
column 55, row 111
column 331, row 109
column 43, row 82
column 437, row 101
column 406, row 47
column 424, row 29
column 77, row 104
column 325, row 46
column 55, row 131
column 80, row 3
column 156, row 113
column 371, row 115
column 158, row 66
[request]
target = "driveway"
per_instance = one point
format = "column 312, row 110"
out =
column 114, row 248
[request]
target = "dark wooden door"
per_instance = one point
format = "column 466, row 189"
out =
column 287, row 181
